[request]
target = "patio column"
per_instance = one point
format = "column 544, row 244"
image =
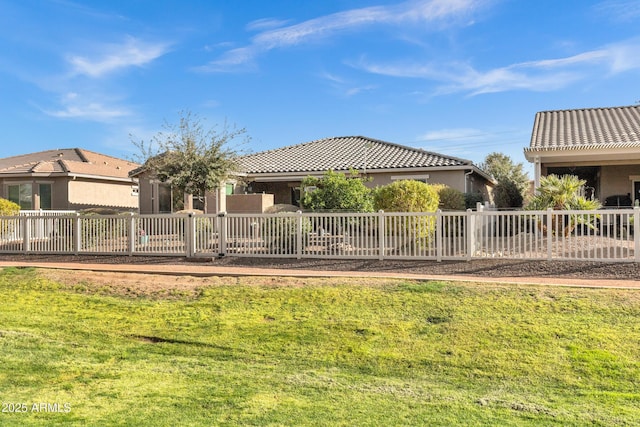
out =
column 537, row 171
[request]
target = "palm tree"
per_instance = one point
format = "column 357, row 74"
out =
column 563, row 193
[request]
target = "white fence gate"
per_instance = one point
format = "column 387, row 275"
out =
column 601, row 235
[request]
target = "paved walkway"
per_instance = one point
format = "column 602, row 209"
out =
column 199, row 270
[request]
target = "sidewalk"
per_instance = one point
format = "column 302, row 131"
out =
column 200, row 270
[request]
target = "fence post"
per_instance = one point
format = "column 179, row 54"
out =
column 298, row 234
column 549, row 234
column 26, row 234
column 636, row 233
column 222, row 234
column 471, row 234
column 381, row 232
column 77, row 234
column 132, row 234
column 439, row 236
column 190, row 236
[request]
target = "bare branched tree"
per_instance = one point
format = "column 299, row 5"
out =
column 192, row 158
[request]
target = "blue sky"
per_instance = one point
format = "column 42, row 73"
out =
column 458, row 77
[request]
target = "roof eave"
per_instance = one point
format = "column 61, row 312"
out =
column 531, row 153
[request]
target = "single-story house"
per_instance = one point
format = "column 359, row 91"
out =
column 280, row 171
column 599, row 145
column 275, row 176
column 68, row 179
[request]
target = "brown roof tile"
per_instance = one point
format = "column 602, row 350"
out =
column 68, row 160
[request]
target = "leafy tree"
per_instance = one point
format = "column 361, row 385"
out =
column 563, row 193
column 337, row 192
column 194, row 159
column 512, row 179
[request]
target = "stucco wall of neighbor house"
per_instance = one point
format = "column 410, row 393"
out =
column 249, row 203
column 615, row 180
column 453, row 179
column 60, row 194
column 87, row 193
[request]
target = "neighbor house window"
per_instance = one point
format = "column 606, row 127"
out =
column 44, row 190
column 22, row 194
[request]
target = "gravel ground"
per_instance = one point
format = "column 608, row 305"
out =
column 484, row 267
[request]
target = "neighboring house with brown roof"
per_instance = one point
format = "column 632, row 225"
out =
column 281, row 171
column 599, row 145
column 68, row 179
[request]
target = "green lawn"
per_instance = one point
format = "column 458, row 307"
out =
column 318, row 352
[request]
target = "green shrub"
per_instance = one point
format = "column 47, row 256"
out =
column 337, row 192
column 507, row 195
column 451, row 199
column 96, row 228
column 563, row 193
column 406, row 196
column 280, row 232
column 8, row 208
column 409, row 196
column 471, row 200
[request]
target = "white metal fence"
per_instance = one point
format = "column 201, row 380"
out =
column 602, row 235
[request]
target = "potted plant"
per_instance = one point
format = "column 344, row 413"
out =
column 143, row 237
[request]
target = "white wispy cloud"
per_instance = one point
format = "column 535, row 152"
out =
column 265, row 24
column 413, row 11
column 618, row 10
column 75, row 106
column 540, row 75
column 453, row 134
column 112, row 57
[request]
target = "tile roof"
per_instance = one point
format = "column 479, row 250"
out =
column 615, row 127
column 67, row 161
column 342, row 154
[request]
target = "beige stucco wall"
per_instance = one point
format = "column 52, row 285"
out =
column 86, row 193
column 616, row 179
column 249, row 203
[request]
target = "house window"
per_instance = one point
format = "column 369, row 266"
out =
column 44, row 191
column 164, row 198
column 420, row 178
column 295, row 196
column 636, row 193
column 22, row 194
